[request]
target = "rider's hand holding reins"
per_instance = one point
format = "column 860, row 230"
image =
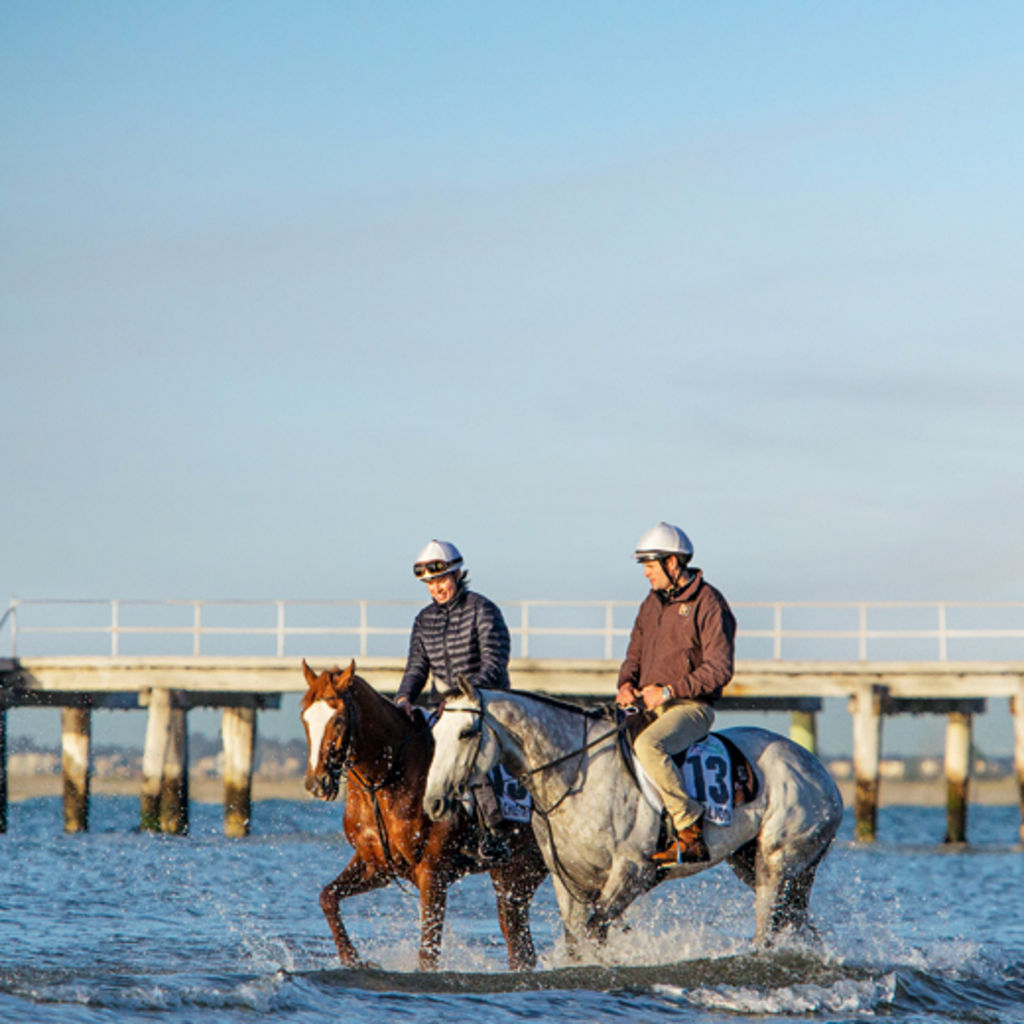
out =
column 403, row 704
column 628, row 696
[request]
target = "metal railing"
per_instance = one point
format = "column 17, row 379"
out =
column 782, row 627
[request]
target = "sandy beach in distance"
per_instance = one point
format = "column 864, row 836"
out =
column 206, row 790
column 201, row 788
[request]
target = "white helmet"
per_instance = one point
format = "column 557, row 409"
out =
column 661, row 541
column 438, row 558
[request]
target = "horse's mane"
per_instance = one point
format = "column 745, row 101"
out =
column 542, row 698
column 416, row 724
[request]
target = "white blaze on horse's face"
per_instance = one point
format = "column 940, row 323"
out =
column 316, row 717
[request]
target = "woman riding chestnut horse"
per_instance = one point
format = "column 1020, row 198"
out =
column 355, row 732
column 384, row 749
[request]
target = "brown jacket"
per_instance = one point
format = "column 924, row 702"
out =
column 686, row 643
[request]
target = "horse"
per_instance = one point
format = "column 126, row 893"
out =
column 354, row 731
column 596, row 829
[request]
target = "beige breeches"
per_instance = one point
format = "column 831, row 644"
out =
column 674, row 729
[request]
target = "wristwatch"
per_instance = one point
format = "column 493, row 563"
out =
column 666, row 693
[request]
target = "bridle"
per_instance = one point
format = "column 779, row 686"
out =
column 340, row 760
column 575, row 889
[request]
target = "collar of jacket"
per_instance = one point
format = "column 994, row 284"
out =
column 449, row 606
column 688, row 591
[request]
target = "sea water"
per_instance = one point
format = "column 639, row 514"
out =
column 118, row 925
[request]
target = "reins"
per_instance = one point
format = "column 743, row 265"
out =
column 575, row 889
column 371, row 789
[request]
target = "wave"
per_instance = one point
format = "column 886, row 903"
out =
column 762, row 984
column 755, row 969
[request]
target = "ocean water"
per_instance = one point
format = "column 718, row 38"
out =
column 115, row 925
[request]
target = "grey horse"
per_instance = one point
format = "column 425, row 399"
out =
column 597, row 831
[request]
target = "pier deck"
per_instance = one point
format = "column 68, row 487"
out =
column 168, row 686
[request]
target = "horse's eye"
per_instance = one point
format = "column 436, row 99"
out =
column 469, row 732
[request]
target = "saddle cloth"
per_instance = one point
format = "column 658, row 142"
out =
column 715, row 774
column 513, row 798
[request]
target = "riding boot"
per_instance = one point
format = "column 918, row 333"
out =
column 493, row 848
column 688, row 847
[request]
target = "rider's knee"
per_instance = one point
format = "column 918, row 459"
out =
column 648, row 747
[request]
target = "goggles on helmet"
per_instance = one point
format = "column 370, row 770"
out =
column 650, row 556
column 421, row 569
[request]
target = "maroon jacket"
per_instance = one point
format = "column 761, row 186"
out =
column 686, row 643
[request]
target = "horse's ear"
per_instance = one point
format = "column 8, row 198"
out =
column 308, row 673
column 340, row 679
column 466, row 688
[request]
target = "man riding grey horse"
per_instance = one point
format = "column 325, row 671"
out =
column 460, row 633
column 680, row 657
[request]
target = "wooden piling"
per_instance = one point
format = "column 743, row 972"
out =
column 174, row 783
column 866, row 709
column 75, row 736
column 803, row 729
column 1017, row 709
column 158, row 737
column 238, row 735
column 958, row 768
column 3, row 768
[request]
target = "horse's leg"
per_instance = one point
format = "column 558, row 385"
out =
column 626, row 880
column 782, row 894
column 742, row 862
column 358, row 877
column 514, row 886
column 574, row 919
column 791, row 911
column 433, row 885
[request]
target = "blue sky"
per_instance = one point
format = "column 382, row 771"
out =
column 289, row 289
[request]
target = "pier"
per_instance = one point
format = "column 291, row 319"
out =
column 166, row 687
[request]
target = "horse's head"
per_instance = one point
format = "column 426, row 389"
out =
column 327, row 718
column 465, row 749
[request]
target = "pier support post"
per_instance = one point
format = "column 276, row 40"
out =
column 158, row 736
column 866, row 708
column 174, row 782
column 238, row 734
column 3, row 768
column 75, row 736
column 1017, row 708
column 958, row 769
column 803, row 729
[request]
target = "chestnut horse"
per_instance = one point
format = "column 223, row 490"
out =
column 352, row 730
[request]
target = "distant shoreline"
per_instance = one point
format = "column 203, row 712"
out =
column 892, row 793
column 201, row 789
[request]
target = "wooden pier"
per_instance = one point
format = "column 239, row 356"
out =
column 168, row 687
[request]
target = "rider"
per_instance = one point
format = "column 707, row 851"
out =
column 459, row 633
column 680, row 656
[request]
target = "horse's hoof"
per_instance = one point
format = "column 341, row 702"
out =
column 596, row 928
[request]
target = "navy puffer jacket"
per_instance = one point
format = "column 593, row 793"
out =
column 465, row 635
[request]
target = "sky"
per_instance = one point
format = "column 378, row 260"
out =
column 287, row 290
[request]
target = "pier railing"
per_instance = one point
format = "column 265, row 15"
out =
column 852, row 630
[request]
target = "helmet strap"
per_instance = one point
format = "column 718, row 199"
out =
column 677, row 585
